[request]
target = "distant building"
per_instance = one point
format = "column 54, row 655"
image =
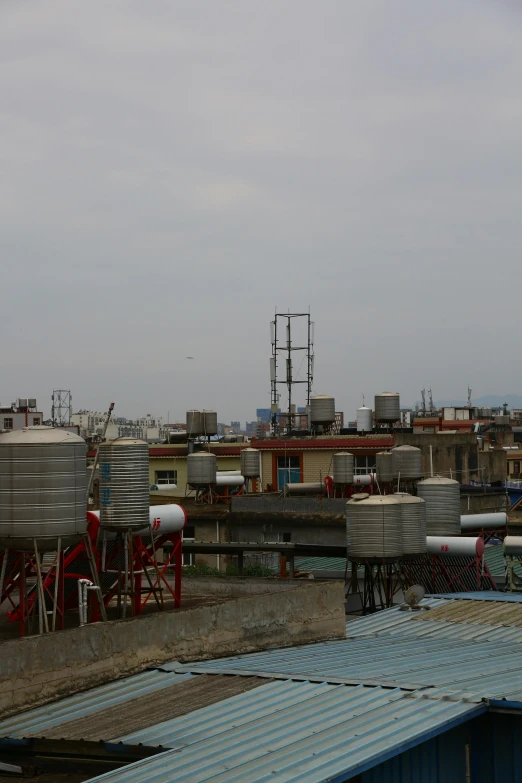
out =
column 92, row 423
column 19, row 414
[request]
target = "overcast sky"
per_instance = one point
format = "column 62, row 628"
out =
column 170, row 172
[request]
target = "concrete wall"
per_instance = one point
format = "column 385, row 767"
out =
column 453, row 455
column 38, row 669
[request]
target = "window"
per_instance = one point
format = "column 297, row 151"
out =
column 36, row 421
column 365, row 465
column 166, row 477
column 8, row 424
column 288, row 471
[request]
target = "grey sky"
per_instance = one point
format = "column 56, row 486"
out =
column 171, row 171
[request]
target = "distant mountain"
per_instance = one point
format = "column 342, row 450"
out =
column 487, row 401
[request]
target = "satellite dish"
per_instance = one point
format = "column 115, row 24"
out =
column 412, row 597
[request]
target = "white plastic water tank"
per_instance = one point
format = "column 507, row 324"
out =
column 364, row 419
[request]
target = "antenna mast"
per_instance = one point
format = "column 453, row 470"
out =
column 288, row 350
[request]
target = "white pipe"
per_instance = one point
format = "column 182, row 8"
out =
column 455, row 546
column 82, row 599
column 477, row 521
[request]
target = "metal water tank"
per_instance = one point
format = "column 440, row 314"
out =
column 343, row 467
column 387, row 407
column 43, row 484
column 201, row 469
column 124, row 484
column 210, row 423
column 364, row 419
column 194, row 423
column 250, row 463
column 502, row 420
column 442, row 496
column 407, row 462
column 384, row 462
column 374, row 528
column 413, row 515
column 322, row 409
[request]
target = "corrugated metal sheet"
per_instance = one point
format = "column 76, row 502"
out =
column 289, row 732
column 175, row 699
column 41, row 719
column 404, row 660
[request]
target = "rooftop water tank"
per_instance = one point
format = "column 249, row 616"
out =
column 201, row 469
column 384, row 462
column 413, row 515
column 322, row 409
column 364, row 419
column 43, row 484
column 407, row 462
column 374, row 528
column 343, row 466
column 124, row 484
column 210, row 423
column 442, row 496
column 502, row 421
column 194, row 423
column 387, row 407
column 250, row 463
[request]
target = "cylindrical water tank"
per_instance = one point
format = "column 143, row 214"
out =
column 442, row 496
column 209, row 420
column 455, row 546
column 365, row 480
column 124, row 484
column 384, row 462
column 43, row 485
column 373, row 528
column 201, row 469
column 407, row 462
column 164, row 519
column 513, row 545
column 343, row 463
column 194, row 423
column 322, row 409
column 364, row 419
column 478, row 521
column 230, row 481
column 387, row 407
column 502, row 420
column 250, row 463
column 305, row 488
column 413, row 515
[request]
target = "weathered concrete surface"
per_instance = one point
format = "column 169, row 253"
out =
column 43, row 668
column 236, row 587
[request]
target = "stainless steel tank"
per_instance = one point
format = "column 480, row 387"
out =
column 387, row 407
column 250, row 463
column 201, row 469
column 407, row 462
column 384, row 463
column 442, row 496
column 124, row 484
column 194, row 423
column 343, row 467
column 43, row 485
column 374, row 528
column 322, row 409
column 413, row 517
column 364, row 419
column 210, row 422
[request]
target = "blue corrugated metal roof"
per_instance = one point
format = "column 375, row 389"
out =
column 290, row 731
column 87, row 703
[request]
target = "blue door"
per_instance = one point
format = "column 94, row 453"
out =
column 288, row 471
